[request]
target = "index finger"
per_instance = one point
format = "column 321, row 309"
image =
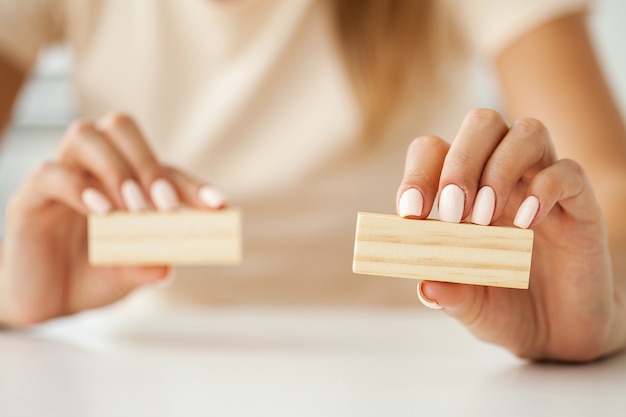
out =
column 418, row 189
column 130, row 142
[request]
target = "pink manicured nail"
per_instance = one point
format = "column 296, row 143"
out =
column 484, row 206
column 451, row 204
column 133, row 196
column 526, row 212
column 211, row 196
column 428, row 303
column 95, row 201
column 411, row 203
column 163, row 195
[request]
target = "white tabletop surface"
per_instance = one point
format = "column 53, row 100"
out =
column 287, row 362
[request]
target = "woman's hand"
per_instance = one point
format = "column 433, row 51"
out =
column 44, row 271
column 509, row 175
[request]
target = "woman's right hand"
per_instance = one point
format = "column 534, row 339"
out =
column 44, row 272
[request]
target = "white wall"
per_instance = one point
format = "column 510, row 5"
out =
column 609, row 31
column 48, row 99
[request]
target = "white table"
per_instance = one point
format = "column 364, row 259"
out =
column 286, row 362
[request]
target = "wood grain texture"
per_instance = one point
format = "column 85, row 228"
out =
column 182, row 237
column 389, row 245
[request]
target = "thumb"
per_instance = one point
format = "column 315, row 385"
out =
column 110, row 284
column 131, row 278
column 490, row 314
column 461, row 301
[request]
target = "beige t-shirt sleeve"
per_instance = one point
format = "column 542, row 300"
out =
column 490, row 25
column 26, row 26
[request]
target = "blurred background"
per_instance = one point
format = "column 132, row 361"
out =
column 47, row 104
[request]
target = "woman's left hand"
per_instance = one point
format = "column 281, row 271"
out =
column 494, row 173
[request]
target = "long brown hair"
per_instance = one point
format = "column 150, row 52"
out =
column 383, row 42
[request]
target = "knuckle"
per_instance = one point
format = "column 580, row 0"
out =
column 574, row 167
column 427, row 141
column 533, row 135
column 530, row 126
column 78, row 132
column 116, row 121
column 79, row 128
column 548, row 184
column 565, row 171
column 485, row 117
column 576, row 172
column 44, row 167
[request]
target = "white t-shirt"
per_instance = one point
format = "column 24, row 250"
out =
column 252, row 96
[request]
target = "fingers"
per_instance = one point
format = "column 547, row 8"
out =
column 148, row 175
column 126, row 137
column 563, row 185
column 430, row 303
column 525, row 150
column 418, row 188
column 477, row 175
column 54, row 182
column 454, row 172
column 87, row 151
column 486, row 164
column 115, row 154
column 196, row 193
column 127, row 279
column 459, row 300
column 481, row 132
column 465, row 303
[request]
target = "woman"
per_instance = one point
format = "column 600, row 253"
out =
column 301, row 111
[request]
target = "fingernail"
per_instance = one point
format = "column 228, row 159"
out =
column 428, row 303
column 411, row 203
column 526, row 212
column 451, row 204
column 95, row 201
column 133, row 196
column 166, row 281
column 211, row 196
column 163, row 195
column 484, row 206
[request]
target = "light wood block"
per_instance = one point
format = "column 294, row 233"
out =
column 389, row 245
column 182, row 237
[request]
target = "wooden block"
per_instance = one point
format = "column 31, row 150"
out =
column 182, row 237
column 389, row 245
